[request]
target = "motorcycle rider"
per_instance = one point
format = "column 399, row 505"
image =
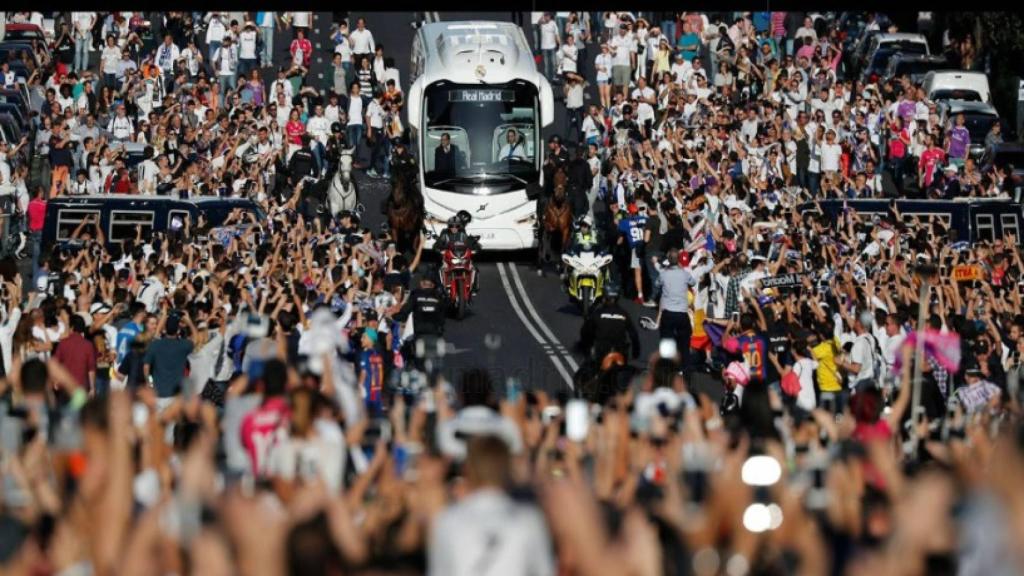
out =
column 609, row 329
column 585, row 239
column 455, row 233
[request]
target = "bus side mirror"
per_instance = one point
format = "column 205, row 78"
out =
column 533, row 191
column 414, row 103
column 547, row 102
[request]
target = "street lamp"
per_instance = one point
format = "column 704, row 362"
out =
column 925, row 273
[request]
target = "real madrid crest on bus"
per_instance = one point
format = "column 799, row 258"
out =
column 481, row 71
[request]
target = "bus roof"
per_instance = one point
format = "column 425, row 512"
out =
column 471, row 52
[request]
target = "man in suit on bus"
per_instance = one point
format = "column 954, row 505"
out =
column 446, row 156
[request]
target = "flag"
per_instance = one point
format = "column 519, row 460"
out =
column 709, row 242
column 943, row 348
column 714, row 331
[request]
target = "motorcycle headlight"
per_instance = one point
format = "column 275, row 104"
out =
column 456, row 261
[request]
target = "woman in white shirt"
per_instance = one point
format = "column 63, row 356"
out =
column 603, row 67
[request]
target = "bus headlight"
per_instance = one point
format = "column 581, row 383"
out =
column 528, row 219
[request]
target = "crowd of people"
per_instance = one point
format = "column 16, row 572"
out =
column 267, row 396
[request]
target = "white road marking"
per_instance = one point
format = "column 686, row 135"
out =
column 540, row 323
column 553, row 356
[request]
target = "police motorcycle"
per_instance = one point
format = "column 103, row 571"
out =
column 587, row 274
column 458, row 275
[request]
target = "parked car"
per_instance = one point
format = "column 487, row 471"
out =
column 26, row 32
column 916, row 66
column 12, row 50
column 877, row 65
column 898, row 42
column 956, row 85
column 978, row 118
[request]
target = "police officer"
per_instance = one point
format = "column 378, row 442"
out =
column 580, row 179
column 609, row 329
column 454, row 234
column 336, row 143
column 427, row 306
column 585, row 239
column 302, row 164
column 557, row 157
column 403, row 164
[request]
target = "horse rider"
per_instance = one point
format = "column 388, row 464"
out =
column 585, row 239
column 455, row 233
column 513, row 147
column 557, row 158
column 337, row 142
column 609, row 328
column 403, row 164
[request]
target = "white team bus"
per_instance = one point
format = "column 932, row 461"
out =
column 477, row 82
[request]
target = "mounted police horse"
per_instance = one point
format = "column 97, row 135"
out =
column 556, row 226
column 342, row 192
column 404, row 211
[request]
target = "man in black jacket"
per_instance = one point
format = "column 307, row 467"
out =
column 302, row 163
column 609, row 329
column 446, row 156
column 427, row 306
column 580, row 179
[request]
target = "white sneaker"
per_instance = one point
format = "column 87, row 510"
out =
column 650, row 304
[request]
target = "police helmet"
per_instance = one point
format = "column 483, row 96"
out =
column 464, row 217
column 586, row 221
column 453, row 221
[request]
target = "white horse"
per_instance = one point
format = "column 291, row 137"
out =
column 342, row 194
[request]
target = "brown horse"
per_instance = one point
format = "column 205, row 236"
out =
column 557, row 222
column 404, row 210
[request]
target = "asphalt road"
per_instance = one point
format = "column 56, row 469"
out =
column 520, row 325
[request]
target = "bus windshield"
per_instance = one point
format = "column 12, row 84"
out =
column 481, row 138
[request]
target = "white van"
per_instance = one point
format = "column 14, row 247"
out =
column 957, row 85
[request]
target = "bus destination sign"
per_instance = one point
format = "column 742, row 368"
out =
column 482, row 95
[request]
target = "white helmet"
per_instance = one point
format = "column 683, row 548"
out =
column 587, row 221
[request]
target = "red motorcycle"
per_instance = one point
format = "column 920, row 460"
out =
column 458, row 276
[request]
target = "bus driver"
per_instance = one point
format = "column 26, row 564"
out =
column 513, row 147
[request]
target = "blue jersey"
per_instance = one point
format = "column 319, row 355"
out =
column 633, row 229
column 125, row 336
column 372, row 366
